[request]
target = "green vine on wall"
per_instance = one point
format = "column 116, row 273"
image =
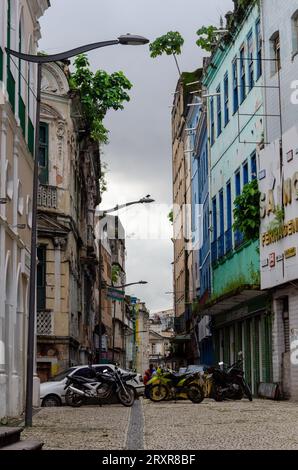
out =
column 247, row 212
column 99, row 92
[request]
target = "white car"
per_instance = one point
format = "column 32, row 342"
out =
column 52, row 393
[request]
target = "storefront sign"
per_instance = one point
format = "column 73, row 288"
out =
column 288, row 229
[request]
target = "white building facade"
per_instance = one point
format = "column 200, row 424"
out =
column 278, row 181
column 19, row 30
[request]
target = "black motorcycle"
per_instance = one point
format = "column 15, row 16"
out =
column 228, row 382
column 102, row 386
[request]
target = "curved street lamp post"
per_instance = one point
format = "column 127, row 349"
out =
column 127, row 39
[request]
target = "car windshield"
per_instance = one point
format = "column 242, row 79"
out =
column 62, row 375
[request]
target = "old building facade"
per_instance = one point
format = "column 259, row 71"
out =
column 19, row 30
column 69, row 163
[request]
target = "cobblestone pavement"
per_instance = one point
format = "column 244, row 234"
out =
column 231, row 425
column 261, row 424
column 88, row 427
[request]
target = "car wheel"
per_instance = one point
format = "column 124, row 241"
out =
column 51, row 400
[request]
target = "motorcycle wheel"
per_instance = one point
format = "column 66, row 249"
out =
column 195, row 393
column 247, row 391
column 128, row 398
column 74, row 400
column 158, row 393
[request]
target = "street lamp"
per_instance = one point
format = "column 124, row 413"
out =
column 114, row 312
column 144, row 200
column 127, row 39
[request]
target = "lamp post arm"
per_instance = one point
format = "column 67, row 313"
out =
column 121, row 206
column 44, row 59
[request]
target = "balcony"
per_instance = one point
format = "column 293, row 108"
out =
column 47, row 196
column 214, row 256
column 45, row 324
column 221, row 246
column 228, row 241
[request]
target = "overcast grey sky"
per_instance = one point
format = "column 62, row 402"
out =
column 139, row 153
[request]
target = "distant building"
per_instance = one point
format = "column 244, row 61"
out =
column 19, row 30
column 160, row 335
column 182, row 189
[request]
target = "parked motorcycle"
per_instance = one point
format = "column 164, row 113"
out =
column 102, row 386
column 169, row 386
column 227, row 382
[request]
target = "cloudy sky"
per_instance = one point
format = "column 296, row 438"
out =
column 139, row 153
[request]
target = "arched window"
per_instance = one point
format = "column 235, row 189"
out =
column 275, row 52
column 295, row 32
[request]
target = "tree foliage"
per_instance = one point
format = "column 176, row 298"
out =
column 206, row 38
column 169, row 44
column 99, row 92
column 247, row 211
column 171, row 216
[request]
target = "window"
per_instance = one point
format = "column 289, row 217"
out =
column 253, row 166
column 259, row 48
column 221, row 212
column 226, row 98
column 212, row 129
column 229, row 205
column 84, row 372
column 214, row 218
column 218, row 112
column 43, row 153
column 295, row 32
column 275, row 51
column 245, row 173
column 235, row 86
column 41, row 277
column 221, row 241
column 242, row 75
column 237, row 183
column 250, row 48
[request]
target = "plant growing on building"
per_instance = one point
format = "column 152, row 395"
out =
column 247, row 212
column 116, row 270
column 171, row 216
column 103, row 185
column 99, row 92
column 275, row 227
column 207, row 38
column 170, row 44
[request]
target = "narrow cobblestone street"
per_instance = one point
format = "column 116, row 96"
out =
column 265, row 425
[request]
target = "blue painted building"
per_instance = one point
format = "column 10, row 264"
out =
column 234, row 83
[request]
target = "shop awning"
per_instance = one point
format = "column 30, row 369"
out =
column 232, row 300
